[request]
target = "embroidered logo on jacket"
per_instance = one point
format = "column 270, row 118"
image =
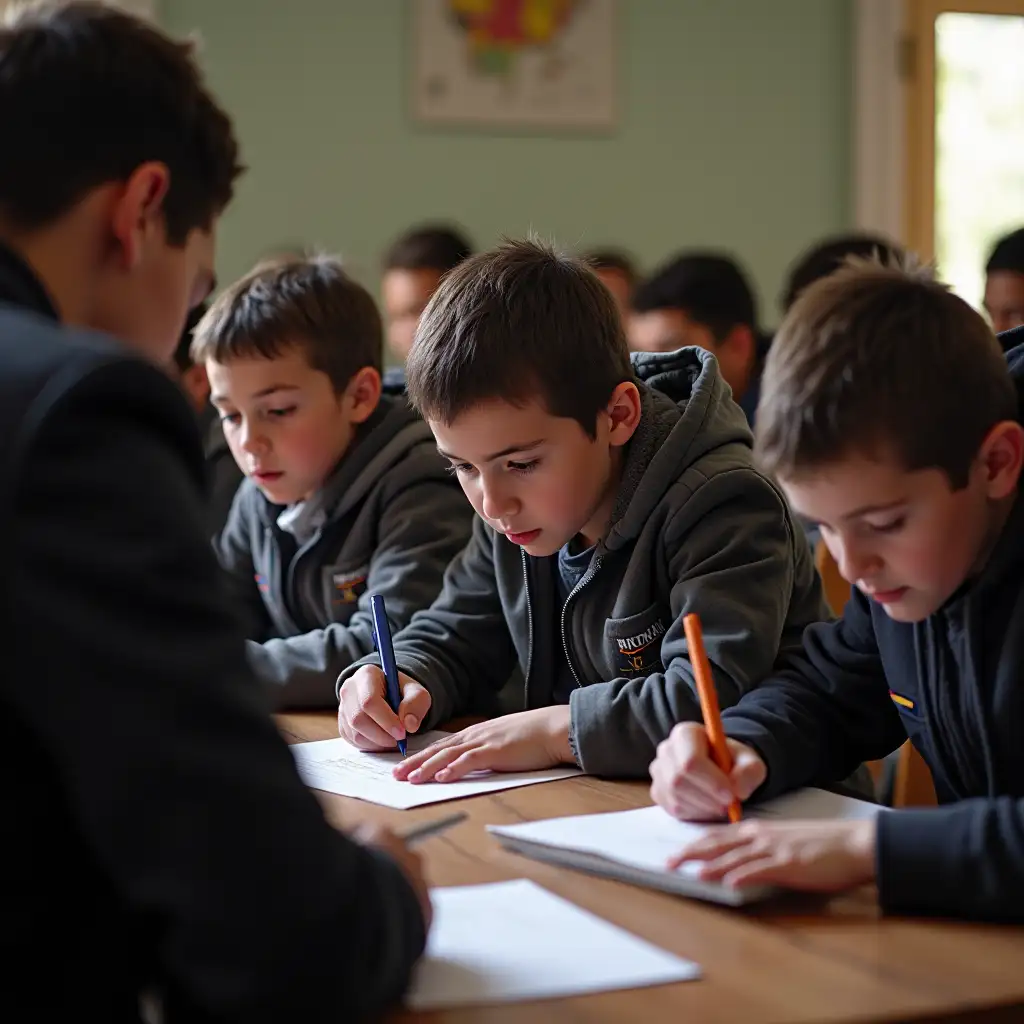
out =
column 640, row 654
column 349, row 586
column 903, row 702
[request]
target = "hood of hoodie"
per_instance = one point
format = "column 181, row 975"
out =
column 391, row 433
column 687, row 413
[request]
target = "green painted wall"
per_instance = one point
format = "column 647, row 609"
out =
column 735, row 131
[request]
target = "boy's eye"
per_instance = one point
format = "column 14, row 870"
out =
column 524, row 467
column 462, row 468
column 230, row 417
column 892, row 526
column 281, row 413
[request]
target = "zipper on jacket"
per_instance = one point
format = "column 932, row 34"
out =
column 583, row 581
column 529, row 631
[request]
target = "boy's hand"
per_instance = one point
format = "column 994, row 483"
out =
column 688, row 783
column 521, row 742
column 409, row 861
column 364, row 718
column 809, row 855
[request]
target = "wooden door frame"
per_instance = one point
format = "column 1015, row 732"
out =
column 919, row 78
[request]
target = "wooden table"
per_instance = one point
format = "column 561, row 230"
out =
column 800, row 959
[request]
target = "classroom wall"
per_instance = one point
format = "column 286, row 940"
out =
column 734, row 131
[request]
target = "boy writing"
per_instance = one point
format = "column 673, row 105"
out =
column 610, row 501
column 346, row 495
column 161, row 839
column 890, row 418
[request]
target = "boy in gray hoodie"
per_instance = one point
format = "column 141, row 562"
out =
column 612, row 499
column 346, row 494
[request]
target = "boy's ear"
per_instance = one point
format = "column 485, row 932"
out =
column 741, row 343
column 623, row 412
column 363, row 394
column 197, row 384
column 138, row 211
column 1001, row 457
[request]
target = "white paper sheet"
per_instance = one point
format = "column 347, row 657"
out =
column 337, row 767
column 646, row 838
column 513, row 941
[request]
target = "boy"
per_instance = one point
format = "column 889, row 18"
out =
column 346, row 495
column 617, row 272
column 1004, row 283
column 611, row 501
column 222, row 472
column 828, row 255
column 413, row 268
column 157, row 835
column 703, row 299
column 889, row 416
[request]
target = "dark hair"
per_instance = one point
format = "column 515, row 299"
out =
column 182, row 354
column 873, row 358
column 829, row 255
column 520, row 322
column 431, row 247
column 709, row 287
column 88, row 93
column 310, row 302
column 612, row 259
column 1008, row 253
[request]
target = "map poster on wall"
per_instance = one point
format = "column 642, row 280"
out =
column 514, row 63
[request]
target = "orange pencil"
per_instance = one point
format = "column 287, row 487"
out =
column 709, row 702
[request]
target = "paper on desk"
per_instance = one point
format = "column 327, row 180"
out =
column 636, row 845
column 337, row 767
column 513, row 941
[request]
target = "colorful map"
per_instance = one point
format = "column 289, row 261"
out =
column 497, row 31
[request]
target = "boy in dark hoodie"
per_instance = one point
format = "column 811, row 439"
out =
column 611, row 500
column 889, row 416
column 346, row 495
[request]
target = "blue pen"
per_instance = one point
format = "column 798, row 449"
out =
column 382, row 640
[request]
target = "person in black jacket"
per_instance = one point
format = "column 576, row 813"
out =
column 159, row 844
column 891, row 417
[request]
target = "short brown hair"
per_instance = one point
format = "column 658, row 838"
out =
column 875, row 358
column 431, row 247
column 87, row 94
column 520, row 322
column 310, row 302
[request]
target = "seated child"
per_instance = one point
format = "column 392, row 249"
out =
column 413, row 267
column 889, row 417
column 617, row 272
column 703, row 298
column 346, row 495
column 827, row 255
column 1004, row 282
column 222, row 472
column 611, row 500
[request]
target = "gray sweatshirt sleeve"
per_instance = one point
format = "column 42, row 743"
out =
column 462, row 641
column 731, row 558
column 421, row 530
column 233, row 547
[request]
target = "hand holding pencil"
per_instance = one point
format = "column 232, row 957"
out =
column 700, row 774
